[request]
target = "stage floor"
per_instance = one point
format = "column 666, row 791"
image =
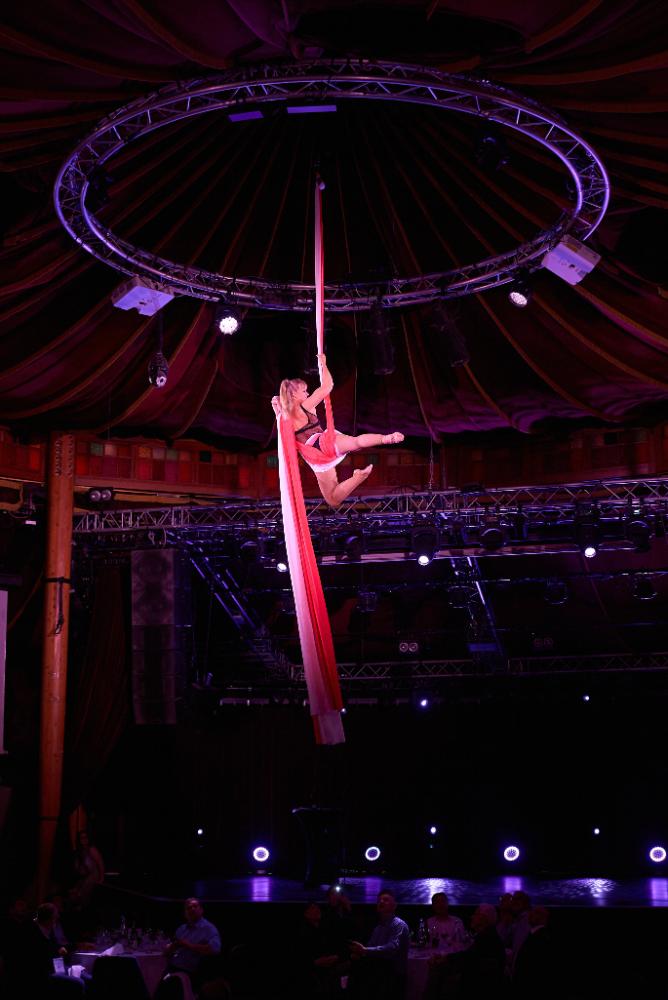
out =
column 562, row 892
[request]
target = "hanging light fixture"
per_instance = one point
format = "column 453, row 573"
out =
column 227, row 319
column 519, row 292
column 158, row 369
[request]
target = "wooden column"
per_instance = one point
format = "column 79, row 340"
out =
column 60, row 502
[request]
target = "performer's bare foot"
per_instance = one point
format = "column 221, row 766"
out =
column 359, row 475
column 395, row 438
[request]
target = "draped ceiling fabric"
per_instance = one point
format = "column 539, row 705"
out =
column 405, row 194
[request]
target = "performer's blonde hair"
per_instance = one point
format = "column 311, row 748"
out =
column 286, row 394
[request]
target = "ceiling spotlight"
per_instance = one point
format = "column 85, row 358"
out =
column 281, row 566
column 409, row 647
column 519, row 291
column 643, row 589
column 260, row 854
column 158, row 370
column 372, row 853
column 227, row 319
column 511, row 853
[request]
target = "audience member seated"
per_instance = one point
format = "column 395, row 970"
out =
column 194, row 941
column 337, row 918
column 514, row 932
column 378, row 969
column 476, row 973
column 447, row 933
column 536, row 973
column 37, row 951
column 88, row 869
column 320, row 964
column 117, row 977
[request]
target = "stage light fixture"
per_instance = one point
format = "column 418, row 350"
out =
column 588, row 535
column 372, row 853
column 492, row 536
column 261, row 854
column 424, row 703
column 585, row 697
column 639, row 531
column 597, row 831
column 643, row 589
column 424, row 543
column 353, row 546
column 519, row 292
column 433, row 830
column 511, row 853
column 227, row 319
column 158, row 370
column 200, row 831
column 100, row 494
column 281, row 566
column 409, row 646
column 657, row 854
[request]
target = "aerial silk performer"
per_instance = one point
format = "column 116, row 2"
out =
column 300, row 433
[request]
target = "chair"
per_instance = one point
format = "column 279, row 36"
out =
column 64, row 988
column 117, row 977
column 175, row 986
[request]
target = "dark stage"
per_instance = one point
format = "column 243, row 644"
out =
column 561, row 892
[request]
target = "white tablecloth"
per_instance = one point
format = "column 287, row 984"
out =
column 151, row 964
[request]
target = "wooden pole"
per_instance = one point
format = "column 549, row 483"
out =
column 60, row 503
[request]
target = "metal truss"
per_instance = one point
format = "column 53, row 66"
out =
column 319, row 82
column 229, row 595
column 615, row 496
column 421, row 671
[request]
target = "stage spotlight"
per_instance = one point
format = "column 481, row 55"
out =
column 556, row 592
column 433, row 830
column 596, row 831
column 227, row 319
column 200, row 831
column 353, row 546
column 639, row 531
column 158, row 370
column 643, row 589
column 657, row 854
column 519, row 292
column 409, row 647
column 585, row 697
column 511, row 853
column 100, row 494
column 424, row 543
column 281, row 566
column 588, row 535
column 372, row 853
column 492, row 536
column 260, row 854
column 423, row 702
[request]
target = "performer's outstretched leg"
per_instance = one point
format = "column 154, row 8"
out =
column 335, row 492
column 347, row 443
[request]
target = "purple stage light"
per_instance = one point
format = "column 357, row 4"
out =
column 657, row 854
column 245, row 116
column 511, row 853
column 585, row 697
column 433, row 830
column 424, row 703
column 260, row 854
column 372, row 853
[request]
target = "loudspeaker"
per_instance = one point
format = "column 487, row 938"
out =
column 161, row 634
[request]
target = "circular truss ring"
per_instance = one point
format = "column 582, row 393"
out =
column 318, row 82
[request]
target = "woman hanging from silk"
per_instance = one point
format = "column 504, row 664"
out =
column 323, row 449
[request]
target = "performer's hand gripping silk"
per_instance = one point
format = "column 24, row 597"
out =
column 323, row 449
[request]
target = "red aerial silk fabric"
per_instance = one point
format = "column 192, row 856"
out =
column 315, row 634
